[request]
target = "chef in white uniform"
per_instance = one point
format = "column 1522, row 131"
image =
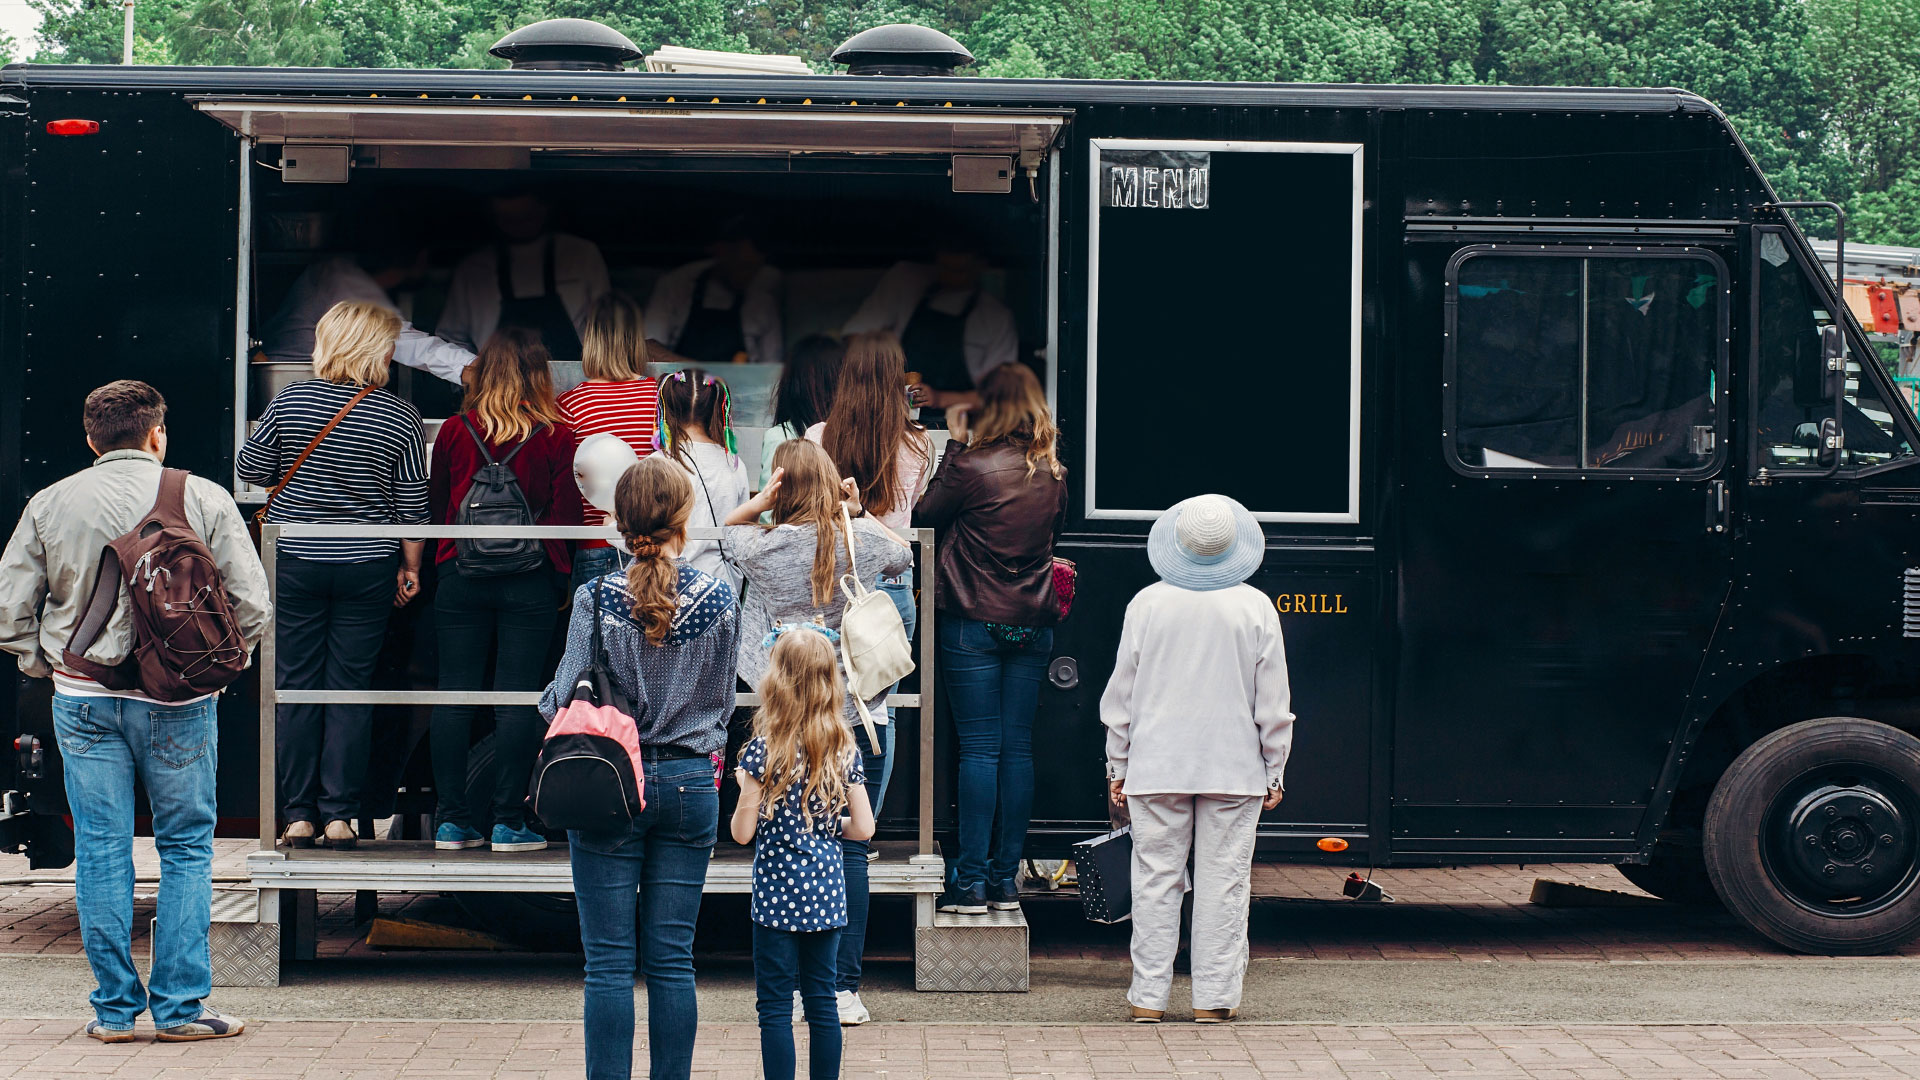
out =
column 952, row 330
column 289, row 334
column 714, row 310
column 531, row 277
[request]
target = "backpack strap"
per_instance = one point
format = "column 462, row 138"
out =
column 515, row 452
column 170, row 506
column 482, row 443
column 100, row 606
column 274, row 491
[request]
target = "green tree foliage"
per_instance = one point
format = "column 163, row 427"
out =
column 89, row 31
column 259, row 33
column 8, row 48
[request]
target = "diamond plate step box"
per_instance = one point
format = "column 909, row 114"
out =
column 972, row 953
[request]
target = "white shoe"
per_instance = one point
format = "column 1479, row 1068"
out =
column 799, row 1009
column 852, row 1012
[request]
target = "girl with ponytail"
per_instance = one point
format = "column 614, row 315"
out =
column 669, row 635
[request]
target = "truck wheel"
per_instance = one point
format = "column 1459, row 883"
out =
column 1677, row 874
column 1811, row 837
column 548, row 922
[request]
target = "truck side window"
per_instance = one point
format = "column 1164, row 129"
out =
column 1791, row 393
column 1589, row 361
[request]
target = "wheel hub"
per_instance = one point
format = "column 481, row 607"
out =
column 1845, row 842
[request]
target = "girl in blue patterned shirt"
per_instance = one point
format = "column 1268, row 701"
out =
column 790, row 811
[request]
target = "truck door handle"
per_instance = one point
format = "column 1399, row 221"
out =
column 1719, row 514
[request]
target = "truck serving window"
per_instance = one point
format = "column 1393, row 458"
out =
column 1790, row 392
column 1588, row 360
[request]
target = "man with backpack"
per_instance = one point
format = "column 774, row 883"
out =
column 136, row 589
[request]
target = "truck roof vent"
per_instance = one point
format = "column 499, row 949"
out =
column 901, row 49
column 566, row 45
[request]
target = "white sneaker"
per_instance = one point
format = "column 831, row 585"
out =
column 852, row 1012
column 799, row 1009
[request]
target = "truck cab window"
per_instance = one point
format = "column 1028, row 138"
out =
column 1791, row 395
column 1589, row 361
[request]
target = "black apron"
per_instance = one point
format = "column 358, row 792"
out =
column 936, row 347
column 712, row 335
column 545, row 314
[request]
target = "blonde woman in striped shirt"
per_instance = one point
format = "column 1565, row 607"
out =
column 617, row 399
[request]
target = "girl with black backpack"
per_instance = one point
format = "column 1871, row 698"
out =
column 506, row 460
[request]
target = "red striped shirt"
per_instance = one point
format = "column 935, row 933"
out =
column 630, row 410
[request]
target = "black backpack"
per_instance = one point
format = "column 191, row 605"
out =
column 495, row 499
column 589, row 775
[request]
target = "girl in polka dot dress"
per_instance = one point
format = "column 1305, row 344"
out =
column 791, row 812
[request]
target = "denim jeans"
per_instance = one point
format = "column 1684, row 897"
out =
column 785, row 961
column 330, row 620
column 994, row 691
column 105, row 743
column 879, row 770
column 510, row 619
column 655, row 870
column 590, row 563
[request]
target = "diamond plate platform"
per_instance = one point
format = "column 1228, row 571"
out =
column 972, row 953
column 244, row 950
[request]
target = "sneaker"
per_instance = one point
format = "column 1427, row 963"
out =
column 1003, row 896
column 517, row 838
column 211, row 1025
column 872, row 855
column 454, row 837
column 799, row 1009
column 101, row 1032
column 964, row 899
column 1214, row 1016
column 852, row 1012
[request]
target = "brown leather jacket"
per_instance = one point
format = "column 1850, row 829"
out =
column 996, row 530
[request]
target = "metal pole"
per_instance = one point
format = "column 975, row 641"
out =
column 269, row 691
column 927, row 578
column 126, row 37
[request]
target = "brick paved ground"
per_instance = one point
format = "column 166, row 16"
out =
column 44, row 1050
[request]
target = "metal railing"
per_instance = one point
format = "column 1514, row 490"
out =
column 272, row 696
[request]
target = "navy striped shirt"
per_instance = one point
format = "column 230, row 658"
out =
column 371, row 468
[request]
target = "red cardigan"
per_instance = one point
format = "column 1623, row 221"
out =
column 544, row 468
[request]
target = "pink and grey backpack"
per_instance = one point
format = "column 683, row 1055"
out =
column 589, row 775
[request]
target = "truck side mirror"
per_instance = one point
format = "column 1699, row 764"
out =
column 1829, row 451
column 1833, row 354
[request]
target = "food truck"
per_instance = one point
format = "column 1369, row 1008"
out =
column 1590, row 514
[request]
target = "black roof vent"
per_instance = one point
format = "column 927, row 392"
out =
column 566, row 45
column 901, row 49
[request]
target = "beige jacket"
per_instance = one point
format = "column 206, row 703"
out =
column 48, row 571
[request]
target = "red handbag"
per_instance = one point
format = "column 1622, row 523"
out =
column 1066, row 578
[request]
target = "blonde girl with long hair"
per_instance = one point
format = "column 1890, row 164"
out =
column 333, row 596
column 503, row 612
column 618, row 398
column 797, row 775
column 668, row 635
column 998, row 499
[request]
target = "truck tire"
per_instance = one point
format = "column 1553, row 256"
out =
column 548, row 922
column 1676, row 874
column 1812, row 834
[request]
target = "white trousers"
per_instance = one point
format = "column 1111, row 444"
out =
column 1218, row 831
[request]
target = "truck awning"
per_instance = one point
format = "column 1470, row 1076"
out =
column 668, row 127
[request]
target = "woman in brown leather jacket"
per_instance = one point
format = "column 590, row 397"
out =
column 998, row 500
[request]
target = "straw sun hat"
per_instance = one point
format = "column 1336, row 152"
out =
column 1204, row 543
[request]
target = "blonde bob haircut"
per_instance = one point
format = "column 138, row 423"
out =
column 353, row 342
column 614, row 347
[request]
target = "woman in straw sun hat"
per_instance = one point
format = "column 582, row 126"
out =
column 1198, row 730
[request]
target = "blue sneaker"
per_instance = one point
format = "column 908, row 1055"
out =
column 508, row 838
column 452, row 837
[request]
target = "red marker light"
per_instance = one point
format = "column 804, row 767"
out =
column 73, row 127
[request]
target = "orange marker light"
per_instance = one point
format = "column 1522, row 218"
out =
column 1331, row 843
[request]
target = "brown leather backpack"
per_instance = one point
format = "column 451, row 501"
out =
column 185, row 641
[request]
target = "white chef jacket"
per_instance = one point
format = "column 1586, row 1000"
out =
column 473, row 297
column 672, row 302
column 991, row 337
column 289, row 334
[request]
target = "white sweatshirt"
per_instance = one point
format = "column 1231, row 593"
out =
column 1198, row 702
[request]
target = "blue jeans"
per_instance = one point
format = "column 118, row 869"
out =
column 785, row 961
column 994, row 691
column 590, row 563
column 660, row 865
column 104, row 744
column 879, row 770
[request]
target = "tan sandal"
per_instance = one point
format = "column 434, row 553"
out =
column 1214, row 1016
column 1144, row 1016
column 299, row 834
column 340, row 835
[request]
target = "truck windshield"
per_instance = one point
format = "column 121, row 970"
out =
column 1791, row 392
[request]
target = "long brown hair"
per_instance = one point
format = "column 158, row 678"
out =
column 809, row 494
column 869, row 422
column 510, row 387
column 652, row 503
column 1013, row 407
column 800, row 719
column 692, row 396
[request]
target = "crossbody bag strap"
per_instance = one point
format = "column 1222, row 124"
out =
column 106, row 597
column 274, row 491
